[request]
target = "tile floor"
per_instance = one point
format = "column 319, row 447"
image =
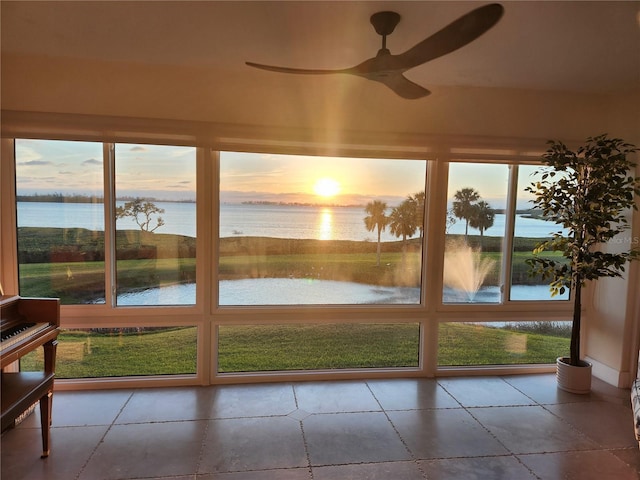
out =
column 488, row 428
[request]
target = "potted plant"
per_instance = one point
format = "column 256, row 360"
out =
column 589, row 192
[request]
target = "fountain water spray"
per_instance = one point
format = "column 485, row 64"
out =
column 465, row 269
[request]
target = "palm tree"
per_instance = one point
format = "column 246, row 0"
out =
column 463, row 206
column 376, row 219
column 418, row 201
column 482, row 218
column 402, row 223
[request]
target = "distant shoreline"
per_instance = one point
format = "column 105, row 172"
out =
column 295, row 204
column 59, row 198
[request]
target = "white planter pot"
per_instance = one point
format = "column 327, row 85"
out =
column 571, row 378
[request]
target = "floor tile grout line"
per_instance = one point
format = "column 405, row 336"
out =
column 306, row 449
column 205, row 435
column 413, row 457
column 113, row 422
column 545, row 406
column 596, row 446
column 575, row 429
column 511, row 453
column 449, row 393
column 522, row 392
column 467, row 409
column 304, row 436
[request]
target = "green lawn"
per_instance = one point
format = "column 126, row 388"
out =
column 116, row 353
column 69, row 263
column 98, row 353
column 308, row 347
column 79, row 282
column 165, row 351
column 471, row 344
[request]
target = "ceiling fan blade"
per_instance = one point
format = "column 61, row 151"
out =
column 301, row 71
column 387, row 69
column 401, row 85
column 455, row 35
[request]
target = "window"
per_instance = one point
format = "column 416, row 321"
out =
column 256, row 348
column 530, row 229
column 61, row 222
column 298, row 230
column 475, row 228
column 60, row 216
column 156, row 224
column 502, row 342
column 310, row 262
column 121, row 352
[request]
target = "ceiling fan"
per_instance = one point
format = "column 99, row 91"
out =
column 388, row 69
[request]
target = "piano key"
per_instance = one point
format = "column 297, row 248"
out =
column 19, row 333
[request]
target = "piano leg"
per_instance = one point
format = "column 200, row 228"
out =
column 50, row 356
column 45, row 422
column 46, row 402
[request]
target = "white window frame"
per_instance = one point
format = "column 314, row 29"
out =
column 207, row 316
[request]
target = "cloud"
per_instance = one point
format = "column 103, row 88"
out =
column 92, row 161
column 138, row 148
column 36, row 163
column 178, row 152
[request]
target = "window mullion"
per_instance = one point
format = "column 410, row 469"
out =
column 509, row 232
column 8, row 236
column 109, row 223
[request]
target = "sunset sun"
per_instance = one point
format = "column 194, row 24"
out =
column 326, row 187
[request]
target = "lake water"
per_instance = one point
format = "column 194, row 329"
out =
column 300, row 291
column 322, row 223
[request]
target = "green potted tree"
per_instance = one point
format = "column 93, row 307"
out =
column 588, row 192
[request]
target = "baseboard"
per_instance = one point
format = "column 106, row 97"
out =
column 610, row 375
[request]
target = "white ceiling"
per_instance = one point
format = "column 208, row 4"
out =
column 551, row 45
column 547, row 68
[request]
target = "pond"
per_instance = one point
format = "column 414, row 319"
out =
column 300, row 291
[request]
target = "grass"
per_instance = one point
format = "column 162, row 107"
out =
column 83, row 281
column 170, row 259
column 353, row 267
column 117, row 353
column 311, row 347
column 472, row 344
column 166, row 351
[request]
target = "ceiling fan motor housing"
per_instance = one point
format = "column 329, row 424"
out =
column 388, row 69
column 385, row 22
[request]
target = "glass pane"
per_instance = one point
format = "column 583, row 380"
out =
column 297, row 230
column 120, row 352
column 530, row 229
column 60, row 215
column 474, row 232
column 156, row 224
column 255, row 348
column 502, row 343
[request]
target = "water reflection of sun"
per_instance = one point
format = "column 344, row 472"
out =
column 325, row 224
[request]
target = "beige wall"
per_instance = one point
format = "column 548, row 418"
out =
column 339, row 103
column 40, row 84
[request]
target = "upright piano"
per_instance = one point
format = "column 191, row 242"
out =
column 27, row 324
